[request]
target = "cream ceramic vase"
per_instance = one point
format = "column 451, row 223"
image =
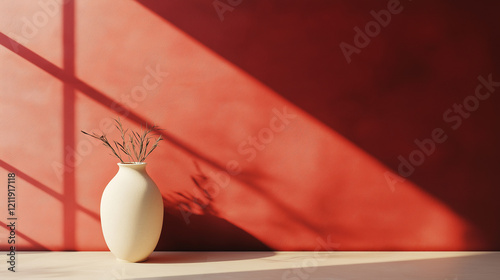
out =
column 131, row 213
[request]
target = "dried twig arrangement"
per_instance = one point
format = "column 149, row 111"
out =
column 133, row 144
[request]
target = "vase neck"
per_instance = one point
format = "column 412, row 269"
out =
column 139, row 166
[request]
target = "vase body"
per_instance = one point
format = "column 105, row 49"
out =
column 131, row 213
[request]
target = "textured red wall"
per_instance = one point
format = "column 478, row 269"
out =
column 330, row 125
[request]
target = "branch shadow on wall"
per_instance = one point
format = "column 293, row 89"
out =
column 191, row 222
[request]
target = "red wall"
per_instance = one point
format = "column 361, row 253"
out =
column 275, row 138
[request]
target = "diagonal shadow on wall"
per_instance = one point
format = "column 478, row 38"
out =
column 385, row 99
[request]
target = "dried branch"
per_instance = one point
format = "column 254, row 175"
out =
column 136, row 147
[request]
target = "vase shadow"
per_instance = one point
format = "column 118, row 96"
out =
column 191, row 223
column 186, row 231
column 193, row 238
column 204, row 256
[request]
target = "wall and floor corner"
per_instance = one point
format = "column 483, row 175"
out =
column 326, row 125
